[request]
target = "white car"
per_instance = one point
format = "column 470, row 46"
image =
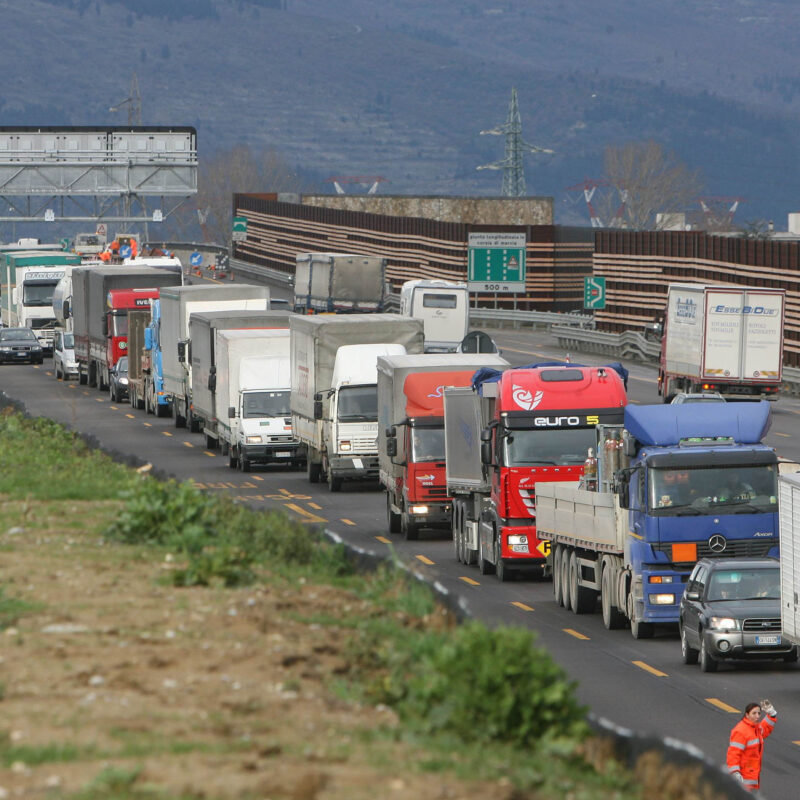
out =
column 64, row 364
column 697, row 397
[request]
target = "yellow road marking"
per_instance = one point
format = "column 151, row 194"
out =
column 166, row 433
column 575, row 634
column 47, row 372
column 723, row 706
column 309, row 517
column 85, row 392
column 197, row 484
column 99, row 399
column 348, row 521
column 786, row 435
column 188, row 444
column 424, row 560
column 209, row 454
column 257, row 478
column 130, row 416
column 71, row 387
column 652, row 670
column 148, row 424
column 114, row 407
column 521, row 605
column 469, row 581
column 382, row 539
column 36, row 366
column 314, row 505
column 797, row 743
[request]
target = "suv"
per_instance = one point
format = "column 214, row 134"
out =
column 731, row 610
column 697, row 397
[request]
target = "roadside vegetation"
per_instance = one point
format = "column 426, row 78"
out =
column 383, row 681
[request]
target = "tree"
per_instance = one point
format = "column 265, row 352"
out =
column 651, row 181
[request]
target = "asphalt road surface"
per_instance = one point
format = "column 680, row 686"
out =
column 641, row 685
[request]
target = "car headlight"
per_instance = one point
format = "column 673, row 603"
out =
column 419, row 509
column 252, row 439
column 5, row 349
column 36, row 348
column 345, row 446
column 723, row 624
column 123, row 381
column 662, row 599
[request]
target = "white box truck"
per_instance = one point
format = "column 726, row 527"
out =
column 727, row 339
column 334, row 388
column 339, row 282
column 177, row 304
column 252, row 385
column 789, row 525
column 444, row 309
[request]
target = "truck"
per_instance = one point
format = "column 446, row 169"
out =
column 177, row 304
column 339, row 283
column 726, row 339
column 28, row 280
column 252, row 385
column 673, row 484
column 443, row 307
column 504, row 435
column 334, row 399
column 411, row 435
column 138, row 355
column 100, row 329
column 156, row 399
column 89, row 245
column 202, row 334
column 789, row 518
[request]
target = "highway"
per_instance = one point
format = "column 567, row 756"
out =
column 642, row 685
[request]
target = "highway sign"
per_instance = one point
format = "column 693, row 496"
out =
column 125, row 251
column 239, row 229
column 101, row 230
column 196, row 259
column 496, row 262
column 594, row 292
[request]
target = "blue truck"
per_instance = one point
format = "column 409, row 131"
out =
column 156, row 400
column 673, row 484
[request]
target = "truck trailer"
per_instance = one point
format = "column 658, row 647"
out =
column 411, row 455
column 339, row 283
column 674, row 484
column 789, row 510
column 726, row 339
column 334, row 398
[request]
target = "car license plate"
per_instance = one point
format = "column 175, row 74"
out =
column 768, row 639
column 283, row 454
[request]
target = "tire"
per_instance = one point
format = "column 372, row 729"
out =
column 244, row 464
column 180, row 421
column 334, row 483
column 566, row 600
column 707, row 662
column 503, row 571
column 642, row 630
column 194, row 423
column 582, row 599
column 458, row 544
column 409, row 528
column 83, row 378
column 791, row 658
column 233, row 461
column 211, row 442
column 688, row 653
column 58, row 374
column 111, row 395
column 485, row 567
column 163, row 410
column 613, row 618
column 314, row 471
column 557, row 593
column 392, row 518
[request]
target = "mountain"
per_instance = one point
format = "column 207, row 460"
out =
column 402, row 88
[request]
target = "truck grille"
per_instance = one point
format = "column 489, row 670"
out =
column 436, row 491
column 280, row 439
column 738, row 548
column 762, row 625
column 364, row 444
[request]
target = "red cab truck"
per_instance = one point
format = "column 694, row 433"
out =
column 411, row 434
column 506, row 433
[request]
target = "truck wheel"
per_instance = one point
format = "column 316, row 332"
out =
column 613, row 618
column 409, row 528
column 195, row 423
column 314, row 470
column 82, row 378
column 233, row 461
column 485, row 567
column 707, row 662
column 111, row 395
column 642, row 630
column 687, row 651
column 458, row 544
column 504, row 573
column 565, row 587
column 211, row 442
column 180, row 421
column 58, row 374
column 583, row 599
column 244, row 464
column 334, row 483
column 557, row 591
column 163, row 410
column 470, row 556
column 392, row 517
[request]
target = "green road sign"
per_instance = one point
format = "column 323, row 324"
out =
column 496, row 262
column 594, row 292
column 239, row 229
column 64, row 243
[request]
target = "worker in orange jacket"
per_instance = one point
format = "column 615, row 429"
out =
column 746, row 747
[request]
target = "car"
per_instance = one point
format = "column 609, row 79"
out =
column 64, row 364
column 118, row 380
column 730, row 611
column 18, row 345
column 697, row 397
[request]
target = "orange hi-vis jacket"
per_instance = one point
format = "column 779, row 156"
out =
column 746, row 749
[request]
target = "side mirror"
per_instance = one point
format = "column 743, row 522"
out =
column 630, row 446
column 317, row 409
column 692, row 595
column 189, row 352
column 66, row 309
column 15, row 295
column 105, row 325
column 212, row 381
column 624, row 493
column 231, row 412
column 182, row 352
column 486, row 446
column 391, row 447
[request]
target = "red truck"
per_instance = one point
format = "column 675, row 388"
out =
column 411, row 434
column 506, row 433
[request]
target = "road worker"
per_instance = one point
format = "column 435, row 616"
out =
column 746, row 746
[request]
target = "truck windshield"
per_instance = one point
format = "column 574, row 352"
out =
column 265, row 404
column 38, row 293
column 535, row 448
column 713, row 490
column 744, row 584
column 427, row 444
column 358, row 404
column 69, row 341
column 119, row 324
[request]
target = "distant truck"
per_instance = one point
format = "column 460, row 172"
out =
column 156, row 399
column 334, row 398
column 252, row 384
column 675, row 483
column 177, row 304
column 339, row 283
column 101, row 330
column 505, row 435
column 411, row 445
column 89, row 245
column 203, row 327
column 138, row 356
column 725, row 339
column 444, row 309
column 28, row 280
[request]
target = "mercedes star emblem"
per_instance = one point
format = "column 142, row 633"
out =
column 717, row 543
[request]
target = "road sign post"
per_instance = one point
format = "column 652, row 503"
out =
column 594, row 292
column 496, row 262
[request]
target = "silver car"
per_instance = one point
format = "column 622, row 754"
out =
column 731, row 611
column 64, row 364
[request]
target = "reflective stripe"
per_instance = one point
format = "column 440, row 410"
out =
column 738, row 745
column 750, row 782
column 753, row 741
column 734, row 769
column 770, row 720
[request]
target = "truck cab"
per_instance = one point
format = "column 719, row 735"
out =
column 443, row 308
